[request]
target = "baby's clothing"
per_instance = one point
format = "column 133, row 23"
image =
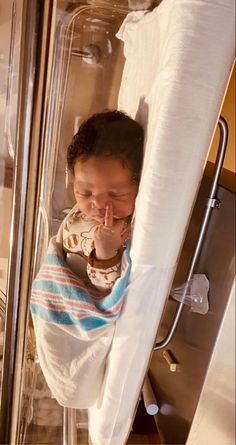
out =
column 74, row 321
column 78, row 233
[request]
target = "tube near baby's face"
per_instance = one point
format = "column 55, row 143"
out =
column 101, row 181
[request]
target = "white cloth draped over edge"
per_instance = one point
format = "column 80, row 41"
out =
column 178, row 61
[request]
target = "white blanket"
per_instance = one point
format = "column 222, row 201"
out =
column 178, row 61
column 74, row 325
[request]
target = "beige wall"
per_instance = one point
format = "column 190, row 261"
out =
column 228, row 112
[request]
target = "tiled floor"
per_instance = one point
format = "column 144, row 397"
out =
column 42, row 435
column 46, row 435
column 47, row 420
column 144, row 432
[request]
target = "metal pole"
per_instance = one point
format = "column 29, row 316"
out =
column 69, row 427
column 211, row 203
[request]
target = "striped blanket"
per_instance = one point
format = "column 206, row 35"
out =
column 60, row 297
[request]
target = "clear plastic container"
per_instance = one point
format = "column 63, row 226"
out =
column 193, row 293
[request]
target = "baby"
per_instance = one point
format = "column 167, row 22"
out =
column 105, row 158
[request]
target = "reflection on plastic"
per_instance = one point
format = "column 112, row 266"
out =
column 194, row 293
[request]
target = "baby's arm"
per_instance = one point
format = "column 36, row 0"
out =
column 104, row 273
column 104, row 265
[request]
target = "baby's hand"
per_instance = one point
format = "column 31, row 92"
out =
column 110, row 236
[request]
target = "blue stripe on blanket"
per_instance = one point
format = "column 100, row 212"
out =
column 59, row 296
column 61, row 317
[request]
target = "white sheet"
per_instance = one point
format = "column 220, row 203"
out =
column 178, row 60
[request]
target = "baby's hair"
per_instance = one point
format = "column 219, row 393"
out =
column 110, row 133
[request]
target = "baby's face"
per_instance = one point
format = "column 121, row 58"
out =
column 104, row 180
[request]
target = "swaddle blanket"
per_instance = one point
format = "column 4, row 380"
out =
column 60, row 296
column 74, row 325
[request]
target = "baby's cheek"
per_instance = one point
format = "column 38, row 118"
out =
column 124, row 209
column 131, row 203
column 80, row 202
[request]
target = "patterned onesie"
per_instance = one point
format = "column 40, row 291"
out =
column 78, row 233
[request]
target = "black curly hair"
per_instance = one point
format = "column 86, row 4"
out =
column 110, row 133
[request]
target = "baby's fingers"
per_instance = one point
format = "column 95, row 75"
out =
column 98, row 232
column 108, row 220
column 103, row 231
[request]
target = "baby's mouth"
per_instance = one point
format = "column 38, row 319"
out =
column 101, row 218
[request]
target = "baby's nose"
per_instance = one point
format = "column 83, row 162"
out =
column 100, row 202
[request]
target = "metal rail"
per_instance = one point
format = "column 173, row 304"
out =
column 212, row 203
column 69, row 427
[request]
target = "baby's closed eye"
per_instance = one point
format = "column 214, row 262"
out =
column 85, row 194
column 118, row 195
